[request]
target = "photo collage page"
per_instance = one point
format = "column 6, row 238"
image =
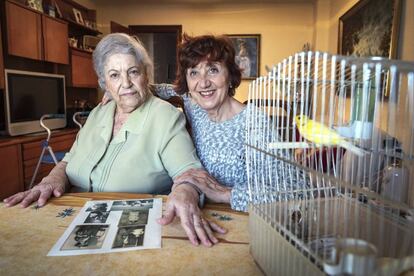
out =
column 110, row 226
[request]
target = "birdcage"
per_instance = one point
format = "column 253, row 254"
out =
column 329, row 152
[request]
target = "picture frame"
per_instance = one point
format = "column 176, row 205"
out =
column 78, row 16
column 370, row 28
column 247, row 47
column 35, row 4
column 58, row 11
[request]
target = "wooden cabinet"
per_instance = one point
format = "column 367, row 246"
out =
column 19, row 156
column 55, row 38
column 24, row 36
column 83, row 74
column 33, row 35
column 11, row 180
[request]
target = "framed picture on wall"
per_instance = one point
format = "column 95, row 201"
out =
column 370, row 28
column 247, row 48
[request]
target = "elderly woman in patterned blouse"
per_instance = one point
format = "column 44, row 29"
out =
column 206, row 80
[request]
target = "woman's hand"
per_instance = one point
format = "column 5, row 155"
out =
column 210, row 187
column 183, row 203
column 40, row 193
column 55, row 183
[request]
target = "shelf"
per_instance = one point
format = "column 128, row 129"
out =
column 80, row 50
column 77, row 28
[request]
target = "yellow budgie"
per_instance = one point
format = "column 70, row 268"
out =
column 322, row 135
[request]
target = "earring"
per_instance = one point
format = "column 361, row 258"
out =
column 230, row 86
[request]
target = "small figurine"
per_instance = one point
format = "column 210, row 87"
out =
column 221, row 217
column 36, row 207
column 66, row 213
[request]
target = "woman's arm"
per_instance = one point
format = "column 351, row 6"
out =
column 164, row 90
column 178, row 155
column 55, row 183
column 183, row 203
column 211, row 188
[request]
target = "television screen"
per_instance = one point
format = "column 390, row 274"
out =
column 29, row 95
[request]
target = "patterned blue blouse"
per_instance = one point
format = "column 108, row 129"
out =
column 220, row 146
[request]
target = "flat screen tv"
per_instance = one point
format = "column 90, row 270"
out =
column 28, row 96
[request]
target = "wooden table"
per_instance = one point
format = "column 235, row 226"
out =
column 27, row 235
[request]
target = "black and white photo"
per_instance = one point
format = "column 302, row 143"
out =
column 97, row 217
column 133, row 217
column 143, row 204
column 86, row 237
column 130, row 236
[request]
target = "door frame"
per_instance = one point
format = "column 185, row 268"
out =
column 178, row 29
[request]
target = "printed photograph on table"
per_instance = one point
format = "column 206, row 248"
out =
column 142, row 204
column 370, row 28
column 98, row 206
column 130, row 236
column 247, row 49
column 86, row 237
column 133, row 217
column 97, row 217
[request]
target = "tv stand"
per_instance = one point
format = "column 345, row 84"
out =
column 19, row 156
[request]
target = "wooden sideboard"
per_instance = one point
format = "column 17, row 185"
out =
column 32, row 34
column 19, row 156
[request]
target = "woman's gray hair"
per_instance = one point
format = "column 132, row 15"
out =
column 119, row 43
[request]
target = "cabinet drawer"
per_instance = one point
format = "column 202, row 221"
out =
column 11, row 181
column 61, row 143
column 32, row 151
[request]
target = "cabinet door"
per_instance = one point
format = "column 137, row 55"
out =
column 55, row 39
column 24, row 32
column 11, row 180
column 83, row 74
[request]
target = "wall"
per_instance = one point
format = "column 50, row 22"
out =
column 337, row 9
column 284, row 28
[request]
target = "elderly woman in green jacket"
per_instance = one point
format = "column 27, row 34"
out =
column 136, row 144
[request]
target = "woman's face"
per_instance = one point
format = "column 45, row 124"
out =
column 208, row 83
column 125, row 79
